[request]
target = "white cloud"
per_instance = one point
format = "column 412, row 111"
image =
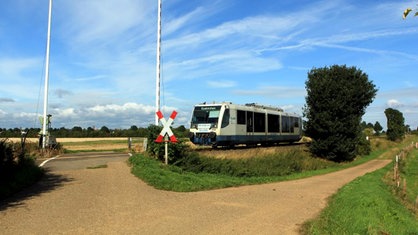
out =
column 93, row 21
column 273, row 92
column 394, row 103
column 15, row 80
column 221, row 83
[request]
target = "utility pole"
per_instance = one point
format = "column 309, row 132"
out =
column 157, row 98
column 48, row 42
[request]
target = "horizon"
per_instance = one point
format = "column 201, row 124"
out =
column 103, row 57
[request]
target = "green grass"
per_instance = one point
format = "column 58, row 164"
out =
column 364, row 206
column 174, row 178
column 369, row 204
column 97, row 167
column 409, row 172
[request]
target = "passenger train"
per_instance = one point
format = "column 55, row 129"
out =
column 228, row 124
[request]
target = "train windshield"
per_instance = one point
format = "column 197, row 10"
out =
column 206, row 114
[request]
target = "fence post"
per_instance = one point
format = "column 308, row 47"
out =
column 395, row 169
column 145, row 144
column 129, row 143
column 416, row 205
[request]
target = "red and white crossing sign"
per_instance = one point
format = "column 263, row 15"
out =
column 166, row 127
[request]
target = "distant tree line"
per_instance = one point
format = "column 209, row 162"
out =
column 79, row 132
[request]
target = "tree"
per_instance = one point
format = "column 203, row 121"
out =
column 377, row 128
column 134, row 128
column 395, row 123
column 337, row 99
column 105, row 129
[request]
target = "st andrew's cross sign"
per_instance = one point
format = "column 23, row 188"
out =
column 166, row 127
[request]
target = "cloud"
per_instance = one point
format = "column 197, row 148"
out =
column 110, row 115
column 6, row 100
column 61, row 93
column 18, row 76
column 92, row 21
column 273, row 92
column 221, row 84
column 394, row 103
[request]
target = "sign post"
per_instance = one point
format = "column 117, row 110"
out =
column 166, row 135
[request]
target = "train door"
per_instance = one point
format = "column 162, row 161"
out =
column 250, row 123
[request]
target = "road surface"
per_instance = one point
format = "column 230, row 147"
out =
column 113, row 201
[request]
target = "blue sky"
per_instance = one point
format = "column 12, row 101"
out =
column 103, row 56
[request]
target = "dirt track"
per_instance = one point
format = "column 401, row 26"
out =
column 112, row 201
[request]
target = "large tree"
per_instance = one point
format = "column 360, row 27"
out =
column 395, row 123
column 336, row 100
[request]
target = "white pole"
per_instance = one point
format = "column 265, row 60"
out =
column 166, row 152
column 157, row 98
column 46, row 76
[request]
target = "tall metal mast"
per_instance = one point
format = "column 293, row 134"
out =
column 45, row 120
column 157, row 98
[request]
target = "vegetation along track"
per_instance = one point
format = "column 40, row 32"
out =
column 243, row 151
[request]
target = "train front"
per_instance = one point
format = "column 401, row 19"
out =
column 204, row 124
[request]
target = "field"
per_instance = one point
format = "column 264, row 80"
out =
column 93, row 144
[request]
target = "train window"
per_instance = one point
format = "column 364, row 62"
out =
column 241, row 117
column 206, row 114
column 273, row 122
column 285, row 124
column 259, row 122
column 225, row 119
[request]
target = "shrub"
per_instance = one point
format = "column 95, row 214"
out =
column 16, row 169
column 176, row 151
column 269, row 165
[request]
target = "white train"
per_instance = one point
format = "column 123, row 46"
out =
column 227, row 124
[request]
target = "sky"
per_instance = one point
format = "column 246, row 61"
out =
column 102, row 69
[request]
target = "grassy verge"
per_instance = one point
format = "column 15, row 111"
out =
column 411, row 176
column 174, row 178
column 370, row 204
column 364, row 206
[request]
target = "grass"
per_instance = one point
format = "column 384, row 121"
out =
column 411, row 175
column 407, row 191
column 174, row 178
column 369, row 205
column 364, row 206
column 97, row 167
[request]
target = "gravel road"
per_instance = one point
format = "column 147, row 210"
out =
column 113, row 201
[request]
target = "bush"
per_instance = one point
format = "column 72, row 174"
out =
column 176, row 151
column 16, row 169
column 270, row 165
column 363, row 147
column 7, row 159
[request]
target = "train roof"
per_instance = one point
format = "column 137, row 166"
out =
column 248, row 105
